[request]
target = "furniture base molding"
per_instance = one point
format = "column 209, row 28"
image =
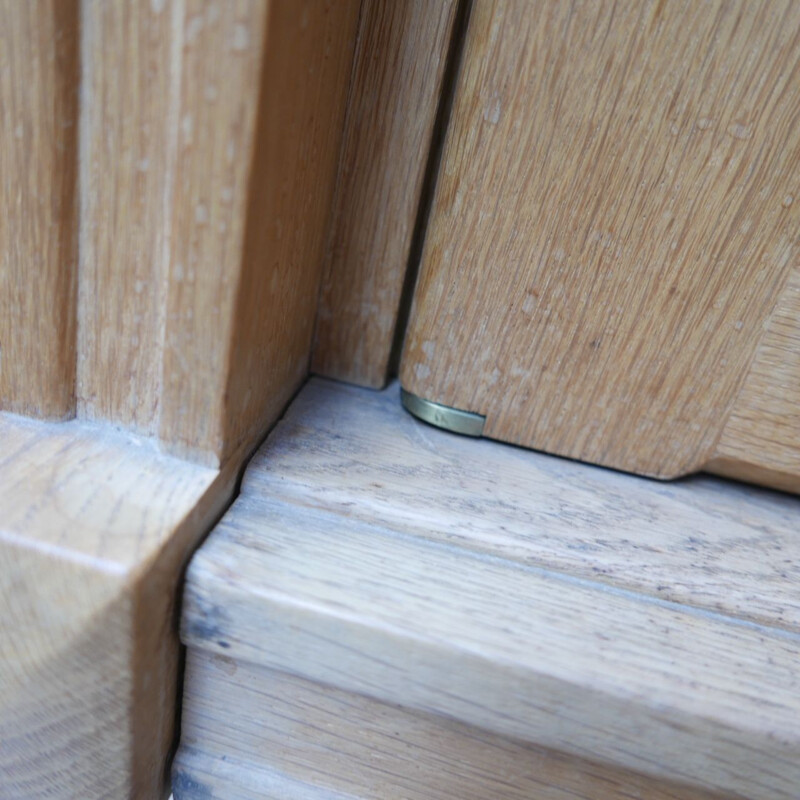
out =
column 96, row 527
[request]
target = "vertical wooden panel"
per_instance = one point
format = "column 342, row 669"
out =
column 211, row 135
column 291, row 191
column 221, row 67
column 761, row 437
column 38, row 237
column 127, row 165
column 394, row 95
column 254, row 180
column 613, row 226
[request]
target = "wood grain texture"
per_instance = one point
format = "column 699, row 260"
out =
column 321, row 742
column 38, row 220
column 614, row 224
column 210, row 137
column 262, row 102
column 130, row 67
column 95, row 528
column 394, row 95
column 702, row 542
column 761, row 437
column 653, row 628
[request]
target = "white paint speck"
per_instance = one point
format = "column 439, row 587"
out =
column 193, row 27
column 200, row 214
column 241, row 38
column 740, row 131
column 491, row 113
column 422, row 371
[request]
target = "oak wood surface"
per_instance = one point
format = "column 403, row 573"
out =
column 209, row 135
column 648, row 627
column 95, row 527
column 209, row 142
column 702, row 542
column 613, row 230
column 399, row 64
column 321, row 742
column 38, row 198
column 761, row 437
column 293, row 177
column 130, row 68
column 255, row 172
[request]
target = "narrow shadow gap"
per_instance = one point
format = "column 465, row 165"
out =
column 449, row 81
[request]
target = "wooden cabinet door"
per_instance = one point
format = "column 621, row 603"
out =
column 611, row 269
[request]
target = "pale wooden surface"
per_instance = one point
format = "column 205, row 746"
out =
column 95, row 526
column 761, row 437
column 209, row 139
column 130, row 68
column 613, row 230
column 654, row 628
column 262, row 102
column 394, row 95
column 702, row 542
column 38, row 237
column 347, row 745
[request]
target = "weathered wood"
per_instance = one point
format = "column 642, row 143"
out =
column 702, row 542
column 651, row 628
column 395, row 89
column 95, row 527
column 38, row 219
column 321, row 742
column 209, row 137
column 614, row 226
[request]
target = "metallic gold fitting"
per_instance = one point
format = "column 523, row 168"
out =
column 451, row 419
